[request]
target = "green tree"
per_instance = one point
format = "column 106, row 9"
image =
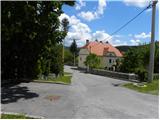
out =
column 136, row 60
column 131, row 60
column 92, row 61
column 57, row 64
column 156, row 59
column 29, row 32
column 68, row 57
column 74, row 50
column 65, row 26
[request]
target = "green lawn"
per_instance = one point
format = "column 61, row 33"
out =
column 11, row 116
column 67, row 73
column 150, row 88
column 66, row 79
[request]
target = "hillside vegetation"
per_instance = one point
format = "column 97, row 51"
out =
column 136, row 60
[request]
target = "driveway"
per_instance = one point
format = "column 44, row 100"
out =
column 89, row 96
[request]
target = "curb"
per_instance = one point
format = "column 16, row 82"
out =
column 37, row 81
column 26, row 115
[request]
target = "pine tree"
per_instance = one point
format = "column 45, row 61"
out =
column 74, row 50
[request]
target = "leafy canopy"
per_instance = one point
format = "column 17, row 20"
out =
column 31, row 38
column 136, row 60
column 93, row 61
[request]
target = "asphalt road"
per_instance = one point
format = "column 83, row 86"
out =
column 89, row 96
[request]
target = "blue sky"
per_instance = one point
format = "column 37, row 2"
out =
column 98, row 19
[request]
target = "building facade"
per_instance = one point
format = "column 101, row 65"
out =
column 106, row 52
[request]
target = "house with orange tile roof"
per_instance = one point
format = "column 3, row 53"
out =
column 106, row 52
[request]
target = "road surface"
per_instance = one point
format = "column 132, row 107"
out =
column 89, row 96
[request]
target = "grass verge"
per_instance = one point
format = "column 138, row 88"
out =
column 12, row 116
column 59, row 80
column 150, row 88
column 67, row 73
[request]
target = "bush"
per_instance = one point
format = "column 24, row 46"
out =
column 68, row 57
column 93, row 61
column 139, row 56
column 142, row 74
column 156, row 77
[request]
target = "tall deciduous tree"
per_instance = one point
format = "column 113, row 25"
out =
column 29, row 32
column 65, row 26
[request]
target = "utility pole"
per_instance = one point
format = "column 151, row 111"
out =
column 63, row 51
column 152, row 44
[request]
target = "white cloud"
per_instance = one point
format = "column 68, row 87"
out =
column 135, row 42
column 140, row 3
column 78, row 30
column 81, row 31
column 137, row 3
column 72, row 20
column 90, row 15
column 80, row 5
column 63, row 16
column 101, row 6
column 101, row 36
column 142, row 35
column 117, row 41
column 118, row 36
column 120, row 44
column 130, row 35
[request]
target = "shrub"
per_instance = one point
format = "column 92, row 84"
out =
column 156, row 77
column 93, row 61
column 142, row 74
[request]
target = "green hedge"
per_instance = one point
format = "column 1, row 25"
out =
column 156, row 76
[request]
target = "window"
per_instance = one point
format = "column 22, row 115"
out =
column 110, row 60
column 80, row 58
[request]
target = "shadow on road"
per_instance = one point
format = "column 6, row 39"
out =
column 11, row 94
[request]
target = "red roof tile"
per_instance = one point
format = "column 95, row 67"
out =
column 101, row 48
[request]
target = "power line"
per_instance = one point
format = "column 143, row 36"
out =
column 108, row 38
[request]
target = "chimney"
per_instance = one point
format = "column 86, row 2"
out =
column 87, row 41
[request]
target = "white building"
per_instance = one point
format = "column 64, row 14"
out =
column 107, row 53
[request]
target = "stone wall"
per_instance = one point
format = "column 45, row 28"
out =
column 119, row 75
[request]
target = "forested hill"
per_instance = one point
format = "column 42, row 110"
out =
column 125, row 48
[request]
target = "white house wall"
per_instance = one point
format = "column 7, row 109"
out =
column 113, row 61
column 83, row 53
column 105, row 60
